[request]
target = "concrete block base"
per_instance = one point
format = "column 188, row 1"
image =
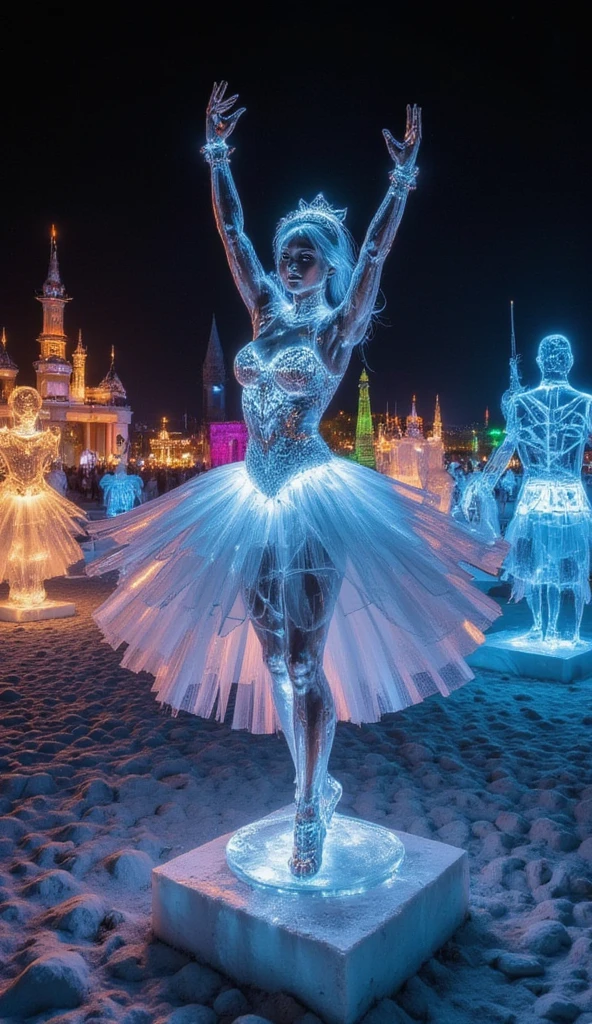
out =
column 336, row 954
column 508, row 653
column 47, row 610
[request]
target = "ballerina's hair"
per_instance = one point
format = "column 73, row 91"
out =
column 324, row 226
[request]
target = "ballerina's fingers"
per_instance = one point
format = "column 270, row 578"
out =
column 218, row 91
column 217, row 102
column 415, row 126
column 393, row 144
column 225, row 105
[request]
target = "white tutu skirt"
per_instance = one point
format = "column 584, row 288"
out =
column 405, row 618
column 41, row 525
column 550, row 536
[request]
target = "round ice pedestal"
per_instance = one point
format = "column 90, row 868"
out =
column 357, row 855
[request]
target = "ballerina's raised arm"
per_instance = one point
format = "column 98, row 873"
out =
column 250, row 278
column 353, row 315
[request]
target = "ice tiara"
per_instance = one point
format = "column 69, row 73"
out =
column 319, row 212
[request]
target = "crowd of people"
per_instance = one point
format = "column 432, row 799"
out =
column 505, row 492
column 83, row 484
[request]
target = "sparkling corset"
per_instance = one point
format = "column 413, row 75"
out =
column 25, row 458
column 284, row 398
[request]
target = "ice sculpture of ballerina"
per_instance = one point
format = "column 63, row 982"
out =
column 550, row 533
column 318, row 586
column 121, row 490
column 38, row 526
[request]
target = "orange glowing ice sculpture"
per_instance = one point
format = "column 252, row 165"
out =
column 38, row 526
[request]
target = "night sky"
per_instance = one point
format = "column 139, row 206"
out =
column 103, row 119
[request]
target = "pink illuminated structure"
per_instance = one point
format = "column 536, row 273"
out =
column 228, row 442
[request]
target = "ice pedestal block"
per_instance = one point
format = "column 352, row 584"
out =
column 335, row 954
column 357, row 855
column 508, row 652
column 47, row 610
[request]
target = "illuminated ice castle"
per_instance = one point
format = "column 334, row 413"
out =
column 94, row 421
column 413, row 458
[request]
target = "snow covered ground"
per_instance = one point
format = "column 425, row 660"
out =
column 98, row 784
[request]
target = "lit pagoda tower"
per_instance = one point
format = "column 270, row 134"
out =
column 364, row 451
column 8, row 371
column 414, row 423
column 486, row 417
column 214, row 380
column 437, row 428
column 78, row 386
column 52, row 368
column 111, row 386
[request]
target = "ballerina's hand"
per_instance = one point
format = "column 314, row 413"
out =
column 404, row 154
column 219, row 125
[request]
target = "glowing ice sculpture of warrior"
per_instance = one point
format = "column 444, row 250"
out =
column 550, row 533
column 121, row 490
column 38, row 526
column 318, row 586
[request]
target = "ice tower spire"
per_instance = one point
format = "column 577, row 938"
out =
column 78, row 382
column 437, row 428
column 52, row 368
column 8, row 370
column 53, row 298
column 214, row 379
column 414, row 426
column 364, row 451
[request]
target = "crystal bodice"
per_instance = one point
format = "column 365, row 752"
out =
column 284, row 397
column 26, row 457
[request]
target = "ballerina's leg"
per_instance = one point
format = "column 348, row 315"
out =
column 302, row 699
column 310, row 599
column 266, row 612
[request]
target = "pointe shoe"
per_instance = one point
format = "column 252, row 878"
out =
column 332, row 793
column 309, row 834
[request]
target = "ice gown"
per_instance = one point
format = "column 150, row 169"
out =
column 407, row 614
column 36, row 523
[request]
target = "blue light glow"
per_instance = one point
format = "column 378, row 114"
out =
column 310, row 587
column 550, row 533
column 121, row 491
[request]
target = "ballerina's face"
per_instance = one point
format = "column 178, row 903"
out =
column 25, row 404
column 302, row 267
